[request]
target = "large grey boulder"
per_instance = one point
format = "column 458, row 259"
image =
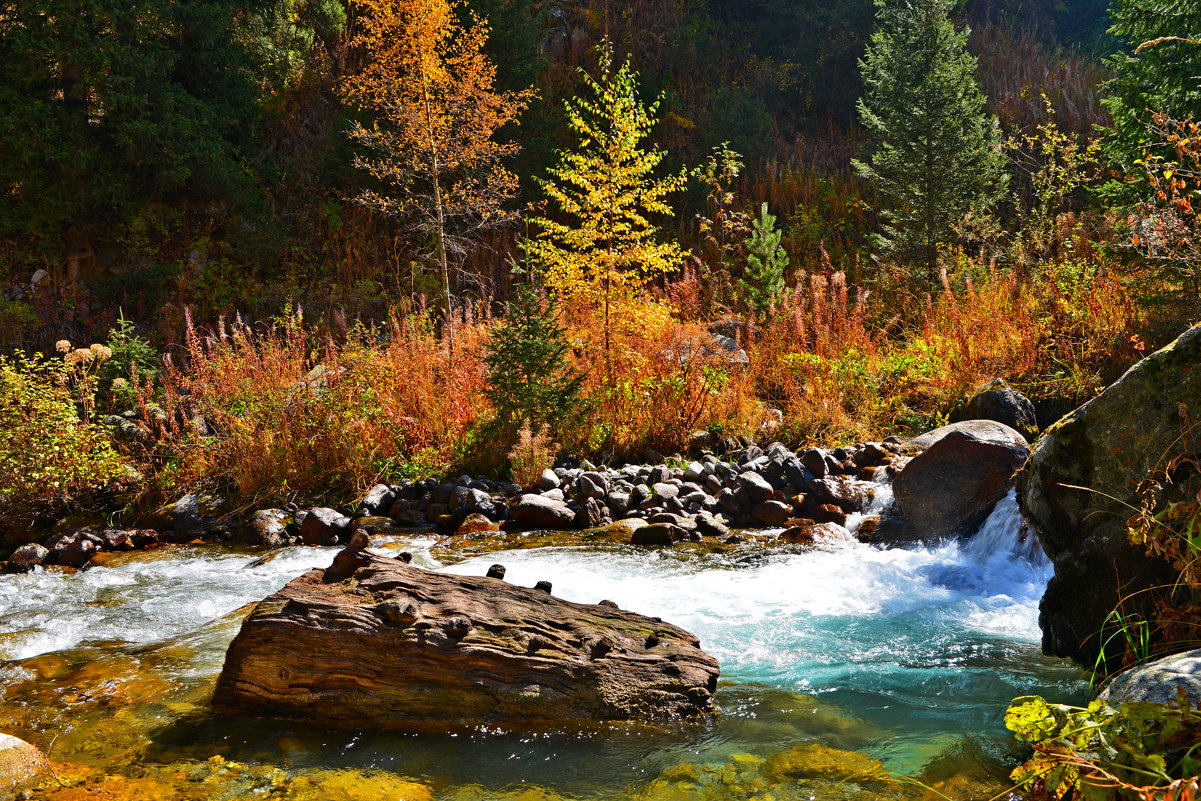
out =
column 1081, row 485
column 950, row 487
column 998, row 401
column 1160, row 681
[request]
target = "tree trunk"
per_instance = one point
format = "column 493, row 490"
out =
column 440, row 217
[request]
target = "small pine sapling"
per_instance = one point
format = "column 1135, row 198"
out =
column 765, row 263
column 530, row 382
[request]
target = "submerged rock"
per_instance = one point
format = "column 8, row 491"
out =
column 1081, row 485
column 21, row 765
column 373, row 641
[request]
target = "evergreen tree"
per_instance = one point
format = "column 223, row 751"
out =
column 936, row 154
column 110, row 105
column 1161, row 77
column 765, row 262
column 529, row 380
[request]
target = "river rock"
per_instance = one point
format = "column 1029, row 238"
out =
column 999, row 402
column 377, row 501
column 374, row 641
column 658, row 534
column 324, row 526
column 548, row 480
column 538, row 511
column 27, row 557
column 21, row 765
column 756, row 487
column 1160, row 681
column 950, row 487
column 265, row 527
column 1108, row 445
column 591, row 514
column 772, row 513
column 195, row 514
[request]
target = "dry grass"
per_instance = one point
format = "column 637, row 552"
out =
column 398, row 401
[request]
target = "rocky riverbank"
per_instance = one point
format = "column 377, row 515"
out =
column 798, row 497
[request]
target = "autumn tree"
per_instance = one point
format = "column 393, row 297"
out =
column 602, row 245
column 433, row 146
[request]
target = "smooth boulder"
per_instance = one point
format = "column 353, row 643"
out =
column 1081, row 485
column 1160, row 681
column 1001, row 403
column 375, row 641
column 950, row 487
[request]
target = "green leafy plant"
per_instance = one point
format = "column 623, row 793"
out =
column 1134, row 633
column 50, row 459
column 1099, row 752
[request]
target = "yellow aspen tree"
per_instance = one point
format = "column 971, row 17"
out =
column 601, row 245
column 432, row 145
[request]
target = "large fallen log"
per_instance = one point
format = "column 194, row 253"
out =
column 374, row 641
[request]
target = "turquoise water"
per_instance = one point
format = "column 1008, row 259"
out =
column 907, row 656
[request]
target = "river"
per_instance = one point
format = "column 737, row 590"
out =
column 907, row 657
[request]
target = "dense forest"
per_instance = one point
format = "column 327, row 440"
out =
column 606, row 225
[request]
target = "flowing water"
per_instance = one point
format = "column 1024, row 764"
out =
column 907, row 657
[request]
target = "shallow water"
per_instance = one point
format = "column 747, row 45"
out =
column 906, row 656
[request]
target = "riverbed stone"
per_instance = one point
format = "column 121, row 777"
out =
column 538, row 511
column 266, row 527
column 324, row 526
column 772, row 513
column 1081, row 485
column 756, row 487
column 547, row 481
column 28, row 556
column 591, row 514
column 658, row 534
column 195, row 514
column 372, row 641
column 377, row 501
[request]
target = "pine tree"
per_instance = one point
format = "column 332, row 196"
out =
column 1160, row 78
column 937, row 154
column 530, row 382
column 765, row 262
column 109, row 107
column 602, row 245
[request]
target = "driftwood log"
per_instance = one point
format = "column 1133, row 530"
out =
column 374, row 641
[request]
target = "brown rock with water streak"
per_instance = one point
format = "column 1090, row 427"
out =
column 373, row 641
